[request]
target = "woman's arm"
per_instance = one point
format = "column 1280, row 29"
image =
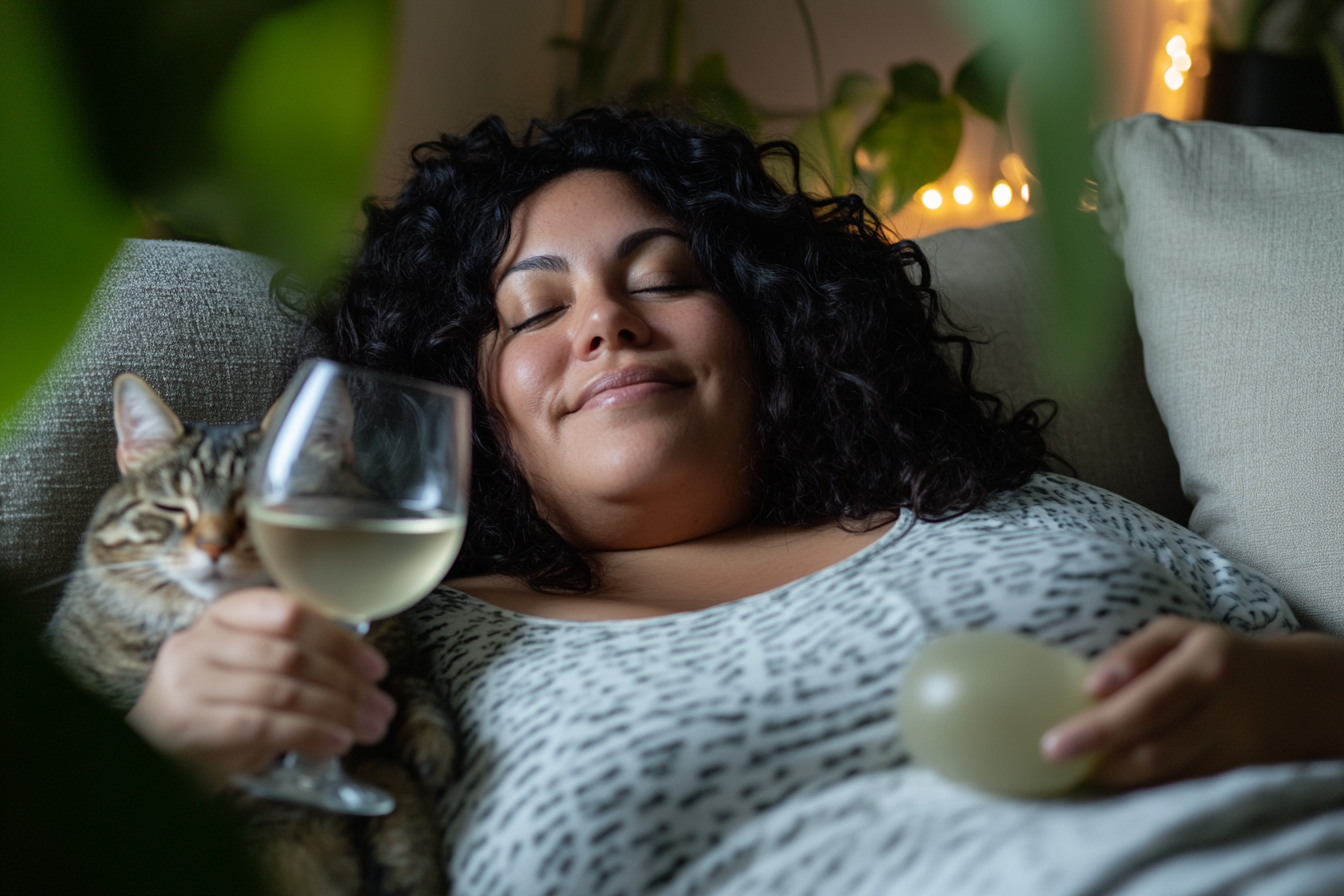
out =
column 259, row 674
column 1181, row 699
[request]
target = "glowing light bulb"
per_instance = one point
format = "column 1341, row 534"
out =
column 962, row 194
column 1174, row 78
column 1177, row 46
column 931, row 198
column 1180, row 62
column 1002, row 194
column 1026, row 192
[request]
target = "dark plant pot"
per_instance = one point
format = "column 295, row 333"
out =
column 1270, row 90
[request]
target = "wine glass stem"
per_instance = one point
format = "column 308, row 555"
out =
column 311, row 768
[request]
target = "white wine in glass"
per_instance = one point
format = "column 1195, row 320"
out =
column 357, row 505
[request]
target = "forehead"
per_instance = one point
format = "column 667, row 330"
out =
column 578, row 213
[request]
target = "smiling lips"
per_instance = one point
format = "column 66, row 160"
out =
column 626, row 385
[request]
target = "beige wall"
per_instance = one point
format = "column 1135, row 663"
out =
column 460, row 60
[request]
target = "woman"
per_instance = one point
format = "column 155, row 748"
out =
column 730, row 471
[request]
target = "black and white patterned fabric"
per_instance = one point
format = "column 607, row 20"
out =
column 713, row 751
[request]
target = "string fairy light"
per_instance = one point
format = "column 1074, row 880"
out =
column 1180, row 59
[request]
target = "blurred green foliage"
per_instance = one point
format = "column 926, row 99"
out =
column 89, row 808
column 60, row 221
column 249, row 123
column 1056, row 41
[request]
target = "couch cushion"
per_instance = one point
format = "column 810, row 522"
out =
column 1233, row 240
column 1111, row 434
column 197, row 323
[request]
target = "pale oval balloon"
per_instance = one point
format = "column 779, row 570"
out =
column 974, row 705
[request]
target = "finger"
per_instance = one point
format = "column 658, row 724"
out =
column 248, row 652
column 1137, row 653
column 268, row 735
column 367, row 719
column 1181, row 753
column 1160, row 698
column 271, row 611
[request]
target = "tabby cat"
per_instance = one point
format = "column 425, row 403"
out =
column 165, row 541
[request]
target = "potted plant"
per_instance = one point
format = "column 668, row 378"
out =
column 1276, row 63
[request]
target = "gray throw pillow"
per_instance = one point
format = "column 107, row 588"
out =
column 198, row 324
column 1233, row 240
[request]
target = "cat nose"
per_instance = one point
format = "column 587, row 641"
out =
column 213, row 548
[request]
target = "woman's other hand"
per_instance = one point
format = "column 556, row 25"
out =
column 1181, row 699
column 259, row 674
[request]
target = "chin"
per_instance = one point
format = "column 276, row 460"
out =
column 215, row 587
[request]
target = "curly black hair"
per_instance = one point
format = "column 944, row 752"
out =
column 866, row 402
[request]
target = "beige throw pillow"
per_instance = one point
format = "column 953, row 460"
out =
column 1233, row 241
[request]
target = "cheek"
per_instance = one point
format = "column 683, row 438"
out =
column 524, row 381
column 719, row 340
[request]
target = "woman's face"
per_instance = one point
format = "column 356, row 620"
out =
column 625, row 384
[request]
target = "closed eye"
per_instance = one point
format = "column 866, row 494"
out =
column 536, row 318
column 169, row 508
column 667, row 289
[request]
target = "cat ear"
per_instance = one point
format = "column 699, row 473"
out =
column 145, row 425
column 334, row 426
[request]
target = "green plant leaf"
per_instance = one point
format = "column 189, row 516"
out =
column 982, row 81
column 914, row 82
column 295, row 124
column 1057, row 43
column 61, row 222
column 858, row 90
column 912, row 146
column 145, row 74
column 714, row 96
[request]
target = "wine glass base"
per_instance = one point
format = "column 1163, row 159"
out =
column 320, row 784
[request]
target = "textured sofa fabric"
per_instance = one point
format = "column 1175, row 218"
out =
column 1233, row 241
column 197, row 323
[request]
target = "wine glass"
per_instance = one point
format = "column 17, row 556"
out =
column 357, row 503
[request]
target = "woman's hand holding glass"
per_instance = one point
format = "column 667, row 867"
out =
column 258, row 675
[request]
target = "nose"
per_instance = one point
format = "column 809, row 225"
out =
column 213, row 536
column 212, row 548
column 608, row 321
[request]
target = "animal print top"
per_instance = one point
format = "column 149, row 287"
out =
column 604, row 757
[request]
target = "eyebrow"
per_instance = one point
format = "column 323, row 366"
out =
column 558, row 265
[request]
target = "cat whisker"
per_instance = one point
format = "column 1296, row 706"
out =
column 56, row 581
column 83, row 571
